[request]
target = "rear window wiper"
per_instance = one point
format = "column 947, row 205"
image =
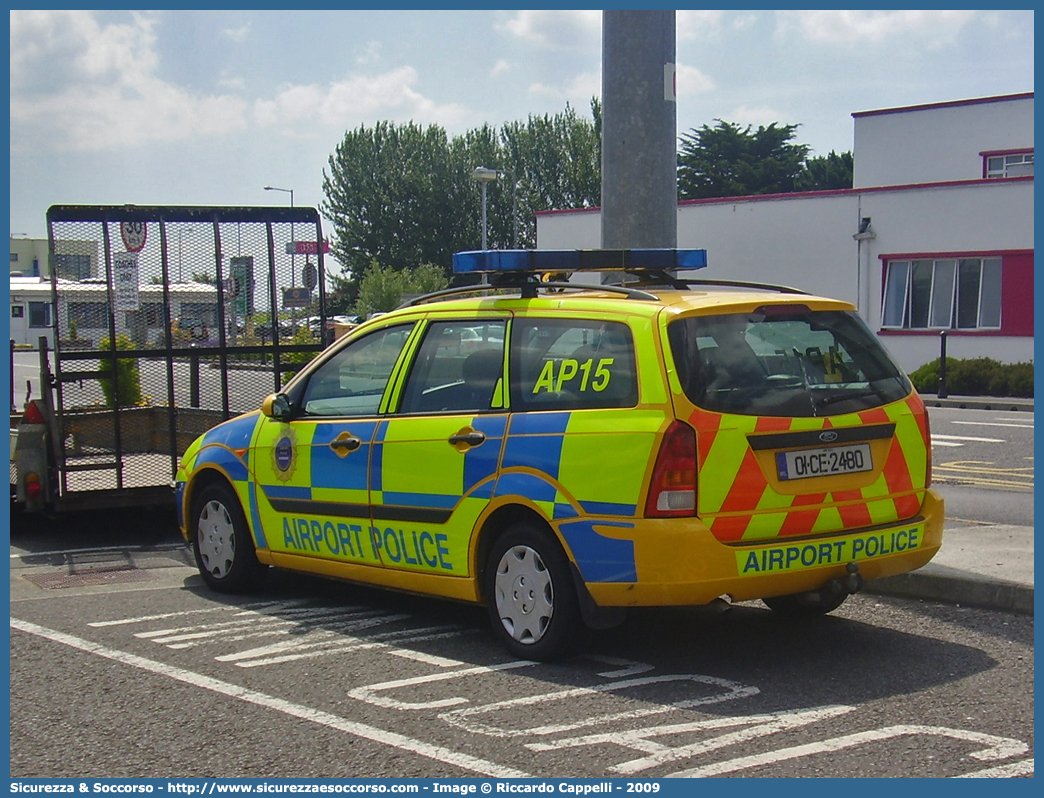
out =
column 840, row 397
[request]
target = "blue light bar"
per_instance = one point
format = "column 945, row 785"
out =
column 536, row 261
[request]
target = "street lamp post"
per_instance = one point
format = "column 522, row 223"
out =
column 181, row 237
column 290, row 191
column 293, row 264
column 483, row 175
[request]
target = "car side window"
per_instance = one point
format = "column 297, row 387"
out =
column 352, row 382
column 459, row 368
column 571, row 364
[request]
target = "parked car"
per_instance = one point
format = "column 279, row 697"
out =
column 595, row 448
column 190, row 327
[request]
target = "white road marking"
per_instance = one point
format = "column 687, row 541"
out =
column 145, row 618
column 1010, row 771
column 439, row 754
column 428, row 659
column 270, row 655
column 936, row 442
column 283, row 619
column 247, row 609
column 936, row 436
column 627, row 667
column 730, row 691
column 368, row 693
column 995, row 748
column 758, row 727
column 991, row 424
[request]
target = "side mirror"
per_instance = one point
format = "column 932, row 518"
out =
column 276, row 406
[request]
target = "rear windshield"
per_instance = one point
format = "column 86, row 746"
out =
column 784, row 361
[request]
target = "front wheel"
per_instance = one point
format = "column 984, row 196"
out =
column 221, row 541
column 529, row 593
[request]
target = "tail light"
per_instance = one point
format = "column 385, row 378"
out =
column 33, row 486
column 33, row 414
column 672, row 491
column 928, row 449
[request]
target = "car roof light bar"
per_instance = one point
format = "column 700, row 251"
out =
column 535, row 261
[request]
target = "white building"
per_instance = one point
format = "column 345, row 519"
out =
column 937, row 232
column 83, row 301
column 83, row 311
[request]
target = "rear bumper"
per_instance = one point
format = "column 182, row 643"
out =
column 683, row 567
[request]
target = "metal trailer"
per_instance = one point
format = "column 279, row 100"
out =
column 210, row 309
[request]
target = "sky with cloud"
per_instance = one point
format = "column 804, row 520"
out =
column 207, row 107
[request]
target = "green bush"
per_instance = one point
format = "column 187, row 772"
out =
column 127, row 376
column 303, row 335
column 978, row 376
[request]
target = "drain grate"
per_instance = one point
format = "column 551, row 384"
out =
column 90, row 577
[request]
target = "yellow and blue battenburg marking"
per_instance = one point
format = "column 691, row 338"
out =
column 226, row 447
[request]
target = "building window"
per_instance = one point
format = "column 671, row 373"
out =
column 17, row 311
column 946, row 293
column 153, row 313
column 206, row 312
column 14, row 257
column 39, row 315
column 73, row 267
column 1008, row 164
column 89, row 314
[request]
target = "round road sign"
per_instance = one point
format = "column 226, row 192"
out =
column 133, row 234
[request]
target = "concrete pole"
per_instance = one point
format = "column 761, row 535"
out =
column 639, row 130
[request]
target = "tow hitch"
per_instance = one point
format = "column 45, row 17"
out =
column 825, row 599
column 848, row 585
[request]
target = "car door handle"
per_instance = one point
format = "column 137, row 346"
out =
column 346, row 444
column 469, row 438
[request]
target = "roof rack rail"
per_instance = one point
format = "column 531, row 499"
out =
column 528, row 289
column 658, row 278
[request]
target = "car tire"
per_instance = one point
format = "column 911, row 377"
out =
column 805, row 605
column 221, row 541
column 530, row 594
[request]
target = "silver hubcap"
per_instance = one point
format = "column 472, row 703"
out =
column 524, row 594
column 217, row 539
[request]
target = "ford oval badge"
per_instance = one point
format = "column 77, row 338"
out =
column 828, row 436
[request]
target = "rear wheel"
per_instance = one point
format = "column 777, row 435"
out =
column 221, row 541
column 806, row 605
column 529, row 592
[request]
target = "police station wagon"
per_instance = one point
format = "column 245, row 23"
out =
column 560, row 452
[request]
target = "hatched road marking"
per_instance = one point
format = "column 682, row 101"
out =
column 978, row 472
column 401, row 742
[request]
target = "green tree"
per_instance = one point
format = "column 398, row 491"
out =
column 826, row 172
column 128, row 379
column 395, row 194
column 402, row 195
column 548, row 162
column 382, row 288
column 728, row 161
column 341, row 294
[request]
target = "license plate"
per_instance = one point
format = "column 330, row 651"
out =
column 831, row 460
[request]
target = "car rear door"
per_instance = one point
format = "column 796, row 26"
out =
column 804, row 425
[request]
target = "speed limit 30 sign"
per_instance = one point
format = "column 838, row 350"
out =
column 133, row 235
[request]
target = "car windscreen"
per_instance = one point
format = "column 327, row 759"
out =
column 784, row 360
